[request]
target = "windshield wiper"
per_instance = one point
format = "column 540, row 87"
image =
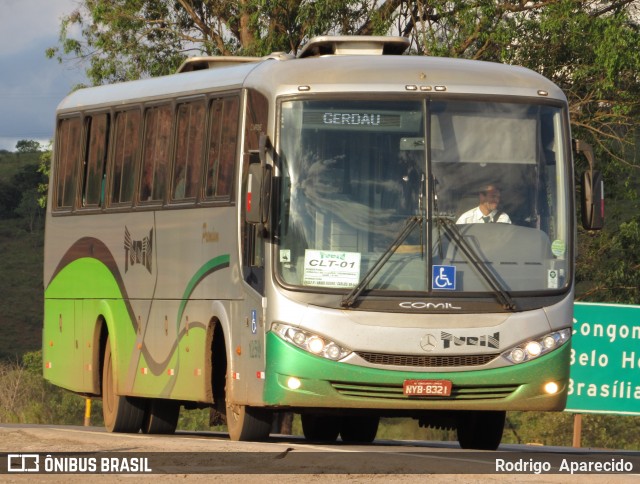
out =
column 349, row 300
column 453, row 232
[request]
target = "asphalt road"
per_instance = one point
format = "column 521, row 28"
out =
column 67, row 453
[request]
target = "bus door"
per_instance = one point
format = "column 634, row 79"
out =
column 249, row 322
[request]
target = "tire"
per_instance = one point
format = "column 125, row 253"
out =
column 480, row 430
column 320, row 428
column 248, row 424
column 161, row 417
column 360, row 429
column 120, row 413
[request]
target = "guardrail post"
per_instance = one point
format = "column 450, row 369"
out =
column 87, row 412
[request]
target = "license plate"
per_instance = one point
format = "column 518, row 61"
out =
column 427, row 388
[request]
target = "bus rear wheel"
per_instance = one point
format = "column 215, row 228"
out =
column 320, row 428
column 248, row 424
column 161, row 417
column 480, row 429
column 120, row 413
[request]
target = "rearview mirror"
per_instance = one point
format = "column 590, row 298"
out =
column 592, row 200
column 592, row 196
column 258, row 194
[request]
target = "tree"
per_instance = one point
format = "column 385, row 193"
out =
column 9, row 199
column 44, row 168
column 19, row 196
column 126, row 40
column 27, row 146
column 29, row 208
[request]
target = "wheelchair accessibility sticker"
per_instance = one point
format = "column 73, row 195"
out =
column 444, row 277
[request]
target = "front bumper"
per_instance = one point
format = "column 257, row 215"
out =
column 331, row 384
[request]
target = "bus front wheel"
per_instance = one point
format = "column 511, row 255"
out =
column 248, row 424
column 320, row 428
column 480, row 429
column 120, row 413
column 359, row 429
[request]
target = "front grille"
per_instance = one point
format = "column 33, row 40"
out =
column 424, row 361
column 395, row 392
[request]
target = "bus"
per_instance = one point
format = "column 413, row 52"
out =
column 282, row 234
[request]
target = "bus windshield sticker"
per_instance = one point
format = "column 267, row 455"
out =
column 553, row 279
column 558, row 248
column 444, row 277
column 331, row 268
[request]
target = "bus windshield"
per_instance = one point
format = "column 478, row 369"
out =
column 481, row 186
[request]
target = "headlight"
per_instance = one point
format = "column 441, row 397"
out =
column 530, row 350
column 311, row 342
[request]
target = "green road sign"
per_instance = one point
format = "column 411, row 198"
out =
column 605, row 359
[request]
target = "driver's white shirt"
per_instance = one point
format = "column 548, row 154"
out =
column 475, row 216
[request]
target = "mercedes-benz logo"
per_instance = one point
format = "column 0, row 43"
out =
column 428, row 342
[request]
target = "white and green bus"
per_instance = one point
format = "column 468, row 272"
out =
column 281, row 234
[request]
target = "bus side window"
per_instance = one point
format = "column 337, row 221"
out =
column 95, row 160
column 126, row 142
column 222, row 148
column 156, row 153
column 189, row 150
column 68, row 154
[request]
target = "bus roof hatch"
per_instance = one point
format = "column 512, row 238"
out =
column 212, row 62
column 354, row 45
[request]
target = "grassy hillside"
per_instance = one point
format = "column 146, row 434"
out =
column 21, row 298
column 10, row 162
column 21, row 303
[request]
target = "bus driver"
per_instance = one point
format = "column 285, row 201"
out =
column 487, row 209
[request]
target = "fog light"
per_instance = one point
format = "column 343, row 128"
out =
column 293, row 383
column 551, row 388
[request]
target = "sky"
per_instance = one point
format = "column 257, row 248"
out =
column 31, row 85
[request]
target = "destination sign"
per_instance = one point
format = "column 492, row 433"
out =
column 362, row 120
